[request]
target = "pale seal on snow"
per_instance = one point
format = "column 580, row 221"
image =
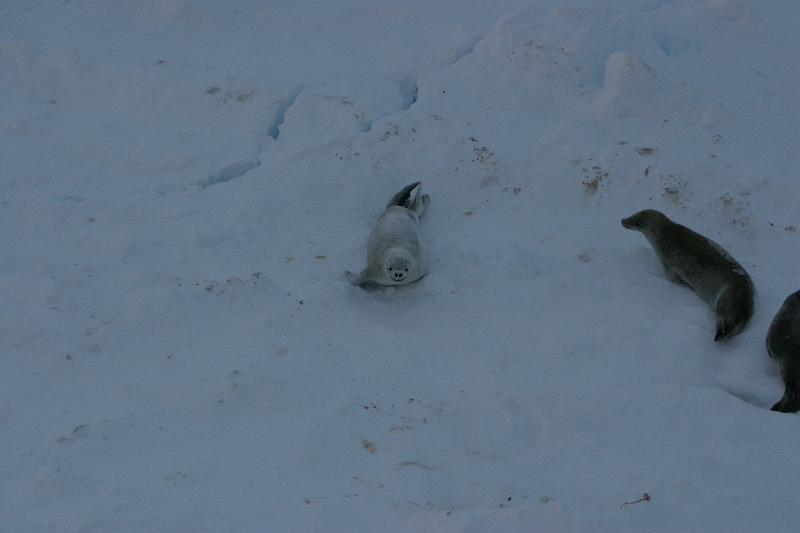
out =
column 394, row 249
column 783, row 345
column 703, row 265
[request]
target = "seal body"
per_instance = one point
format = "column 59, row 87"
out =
column 703, row 265
column 783, row 345
column 394, row 250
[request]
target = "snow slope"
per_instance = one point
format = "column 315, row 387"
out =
column 183, row 183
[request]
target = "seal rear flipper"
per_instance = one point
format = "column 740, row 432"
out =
column 786, row 405
column 728, row 326
column 401, row 198
column 790, row 371
column 722, row 332
column 420, row 204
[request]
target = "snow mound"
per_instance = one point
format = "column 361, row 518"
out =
column 739, row 11
column 633, row 88
column 340, row 109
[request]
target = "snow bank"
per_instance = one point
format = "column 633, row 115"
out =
column 185, row 182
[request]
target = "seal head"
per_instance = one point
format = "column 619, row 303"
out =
column 647, row 221
column 399, row 266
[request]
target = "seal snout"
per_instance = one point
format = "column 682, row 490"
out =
column 626, row 222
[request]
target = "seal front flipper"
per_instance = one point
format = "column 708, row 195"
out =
column 674, row 277
column 357, row 280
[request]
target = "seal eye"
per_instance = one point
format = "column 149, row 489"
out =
column 390, row 269
column 406, row 269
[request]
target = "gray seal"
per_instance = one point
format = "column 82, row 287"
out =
column 783, row 345
column 702, row 264
column 394, row 250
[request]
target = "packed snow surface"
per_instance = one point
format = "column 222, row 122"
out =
column 184, row 182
